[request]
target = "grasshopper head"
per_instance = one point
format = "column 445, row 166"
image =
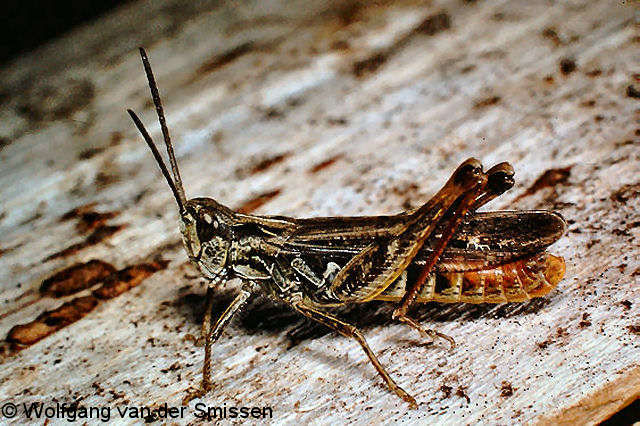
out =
column 205, row 224
column 206, row 233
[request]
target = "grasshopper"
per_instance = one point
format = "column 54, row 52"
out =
column 443, row 251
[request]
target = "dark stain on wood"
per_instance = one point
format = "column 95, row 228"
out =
column 446, row 390
column 324, row 164
column 104, row 178
column 5, row 250
column 548, row 179
column 594, row 73
column 219, row 61
column 625, row 193
column 486, row 102
column 632, row 92
column 76, row 278
column 97, row 236
column 88, row 219
column 544, row 344
column 115, row 138
column 35, row 216
column 506, row 390
column 341, row 45
column 567, row 66
column 369, row 65
column 337, row 121
column 43, row 103
column 584, row 323
column 434, row 24
column 461, row 392
column 173, row 367
column 49, row 322
column 430, row 26
column 77, row 211
column 348, row 13
column 254, row 203
column 467, row 69
column 162, row 250
column 621, row 232
column 559, row 334
column 626, row 143
column 550, row 34
column 273, row 113
column 127, row 278
column 90, row 153
column 262, row 165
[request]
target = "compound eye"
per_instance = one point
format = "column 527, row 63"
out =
column 206, row 228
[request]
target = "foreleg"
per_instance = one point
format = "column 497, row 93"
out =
column 212, row 336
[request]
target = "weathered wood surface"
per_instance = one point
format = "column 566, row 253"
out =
column 308, row 109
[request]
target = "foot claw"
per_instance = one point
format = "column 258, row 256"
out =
column 447, row 338
column 411, row 400
column 197, row 393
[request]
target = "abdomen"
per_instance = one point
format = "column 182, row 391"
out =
column 515, row 281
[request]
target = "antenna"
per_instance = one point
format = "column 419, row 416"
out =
column 158, row 158
column 163, row 125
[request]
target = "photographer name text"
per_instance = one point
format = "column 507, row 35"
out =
column 105, row 413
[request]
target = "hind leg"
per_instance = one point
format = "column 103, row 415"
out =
column 495, row 181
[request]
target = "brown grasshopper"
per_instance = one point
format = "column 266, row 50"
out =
column 444, row 251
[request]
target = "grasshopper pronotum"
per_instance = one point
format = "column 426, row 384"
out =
column 450, row 252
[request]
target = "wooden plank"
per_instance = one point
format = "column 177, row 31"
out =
column 310, row 109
